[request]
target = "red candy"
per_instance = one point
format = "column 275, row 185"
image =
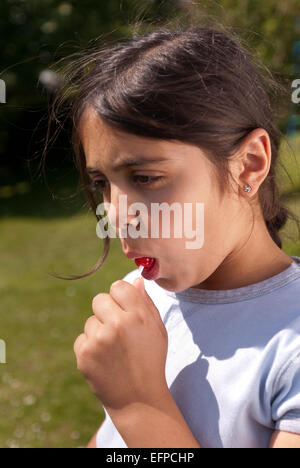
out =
column 147, row 262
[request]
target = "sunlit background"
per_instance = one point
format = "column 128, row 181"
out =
column 44, row 401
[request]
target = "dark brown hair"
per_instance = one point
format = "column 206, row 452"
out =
column 199, row 85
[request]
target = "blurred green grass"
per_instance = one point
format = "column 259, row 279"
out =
column 44, row 401
column 288, row 179
column 288, row 166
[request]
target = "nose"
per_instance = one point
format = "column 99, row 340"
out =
column 118, row 212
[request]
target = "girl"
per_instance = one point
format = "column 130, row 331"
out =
column 205, row 350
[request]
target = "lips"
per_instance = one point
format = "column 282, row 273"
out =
column 151, row 267
column 150, row 264
column 146, row 262
column 133, row 255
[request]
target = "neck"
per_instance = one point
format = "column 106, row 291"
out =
column 249, row 262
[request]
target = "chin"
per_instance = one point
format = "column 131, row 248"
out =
column 167, row 284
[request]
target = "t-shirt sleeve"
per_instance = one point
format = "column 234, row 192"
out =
column 286, row 400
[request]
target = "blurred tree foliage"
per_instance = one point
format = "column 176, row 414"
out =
column 270, row 25
column 36, row 33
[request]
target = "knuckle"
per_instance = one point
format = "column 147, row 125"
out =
column 116, row 285
column 88, row 323
column 115, row 332
column 138, row 317
column 118, row 324
column 94, row 302
column 141, row 319
column 90, row 319
column 82, row 368
column 78, row 343
column 82, row 359
column 84, row 351
column 97, row 299
column 99, row 337
column 75, row 347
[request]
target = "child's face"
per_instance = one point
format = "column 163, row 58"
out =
column 187, row 177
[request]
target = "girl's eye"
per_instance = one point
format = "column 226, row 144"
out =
column 99, row 184
column 147, row 180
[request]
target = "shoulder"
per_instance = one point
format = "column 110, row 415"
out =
column 282, row 349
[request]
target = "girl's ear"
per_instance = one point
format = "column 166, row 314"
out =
column 254, row 159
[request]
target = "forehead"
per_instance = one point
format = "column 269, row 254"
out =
column 107, row 148
column 96, row 136
column 105, row 145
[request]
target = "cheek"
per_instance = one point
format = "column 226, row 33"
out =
column 176, row 259
column 203, row 237
column 203, row 234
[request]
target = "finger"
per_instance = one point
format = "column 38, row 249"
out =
column 106, row 309
column 129, row 297
column 139, row 284
column 81, row 340
column 92, row 325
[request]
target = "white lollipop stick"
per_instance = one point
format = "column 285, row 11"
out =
column 141, row 268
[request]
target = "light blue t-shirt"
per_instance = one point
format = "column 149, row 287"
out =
column 233, row 362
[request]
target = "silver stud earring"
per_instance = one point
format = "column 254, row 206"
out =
column 247, row 188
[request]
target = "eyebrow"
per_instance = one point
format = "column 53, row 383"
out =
column 128, row 163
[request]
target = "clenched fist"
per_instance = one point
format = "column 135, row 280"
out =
column 122, row 352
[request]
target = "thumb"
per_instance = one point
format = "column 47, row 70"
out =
column 139, row 284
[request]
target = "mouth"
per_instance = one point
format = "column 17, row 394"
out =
column 151, row 267
column 150, row 264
